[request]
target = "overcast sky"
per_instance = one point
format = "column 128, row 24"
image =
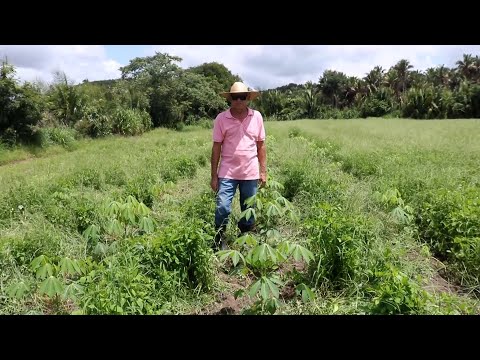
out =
column 260, row 66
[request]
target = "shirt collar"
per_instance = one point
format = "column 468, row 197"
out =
column 229, row 114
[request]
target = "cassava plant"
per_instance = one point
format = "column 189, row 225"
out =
column 402, row 213
column 260, row 254
column 58, row 281
column 117, row 220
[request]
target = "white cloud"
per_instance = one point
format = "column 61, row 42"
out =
column 260, row 66
column 79, row 62
column 231, row 56
column 268, row 66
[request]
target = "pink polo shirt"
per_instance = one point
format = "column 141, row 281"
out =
column 239, row 138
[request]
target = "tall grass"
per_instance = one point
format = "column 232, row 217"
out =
column 334, row 172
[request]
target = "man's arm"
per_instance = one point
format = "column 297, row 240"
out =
column 262, row 159
column 216, row 149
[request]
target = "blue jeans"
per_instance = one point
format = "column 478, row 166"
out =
column 226, row 192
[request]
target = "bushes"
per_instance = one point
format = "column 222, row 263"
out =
column 449, row 221
column 329, row 112
column 182, row 248
column 446, row 215
column 131, row 122
column 20, row 108
column 63, row 136
column 96, row 123
column 374, row 107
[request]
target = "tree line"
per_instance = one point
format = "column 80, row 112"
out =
column 154, row 91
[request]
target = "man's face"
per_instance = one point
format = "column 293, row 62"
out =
column 239, row 101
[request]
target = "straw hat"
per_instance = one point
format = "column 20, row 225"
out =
column 239, row 87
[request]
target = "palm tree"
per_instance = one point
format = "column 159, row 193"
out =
column 417, row 79
column 310, row 100
column 468, row 67
column 402, row 68
column 439, row 76
column 390, row 81
column 374, row 78
column 353, row 87
column 332, row 84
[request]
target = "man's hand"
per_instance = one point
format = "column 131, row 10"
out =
column 263, row 179
column 214, row 184
column 262, row 160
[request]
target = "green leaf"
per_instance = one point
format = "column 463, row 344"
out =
column 399, row 215
column 297, row 254
column 275, row 185
column 51, row 286
column 272, row 253
column 293, row 216
column 68, row 267
column 259, row 253
column 307, row 255
column 100, row 249
column 38, row 261
column 17, row 290
column 272, row 210
column 131, row 200
column 280, row 256
column 142, row 209
column 276, row 280
column 264, row 289
column 72, row 291
column 151, row 225
column 248, row 213
column 234, row 254
column 146, row 224
column 284, row 247
column 248, row 238
column 92, row 232
column 307, row 293
column 271, row 305
column 251, row 240
column 238, row 293
column 272, row 287
column 78, row 267
column 236, row 257
column 114, row 227
column 254, row 288
column 128, row 214
column 250, row 201
column 113, row 208
column 241, row 240
column 223, row 254
column 259, row 204
column 44, row 271
column 335, row 308
column 273, row 233
column 283, row 201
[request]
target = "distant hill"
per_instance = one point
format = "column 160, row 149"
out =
column 291, row 86
column 106, row 83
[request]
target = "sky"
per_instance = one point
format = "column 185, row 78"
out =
column 260, row 66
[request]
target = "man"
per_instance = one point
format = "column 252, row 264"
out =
column 239, row 141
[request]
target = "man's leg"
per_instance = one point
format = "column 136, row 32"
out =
column 247, row 188
column 225, row 194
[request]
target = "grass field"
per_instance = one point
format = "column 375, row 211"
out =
column 376, row 216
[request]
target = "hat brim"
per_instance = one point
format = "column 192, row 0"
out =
column 252, row 95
